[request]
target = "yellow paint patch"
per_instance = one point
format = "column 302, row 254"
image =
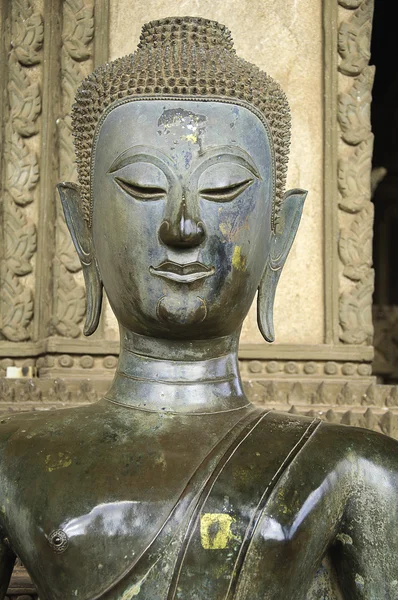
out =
column 191, row 137
column 60, row 460
column 215, row 531
column 225, row 229
column 238, row 260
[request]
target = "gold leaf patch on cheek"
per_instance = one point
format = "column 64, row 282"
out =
column 238, row 259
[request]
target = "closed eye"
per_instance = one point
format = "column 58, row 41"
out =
column 226, row 194
column 141, row 192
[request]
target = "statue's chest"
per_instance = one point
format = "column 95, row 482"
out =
column 85, row 525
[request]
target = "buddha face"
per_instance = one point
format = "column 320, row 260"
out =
column 181, row 214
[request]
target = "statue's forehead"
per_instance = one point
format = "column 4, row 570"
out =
column 173, row 123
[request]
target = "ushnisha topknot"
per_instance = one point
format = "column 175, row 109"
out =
column 180, row 56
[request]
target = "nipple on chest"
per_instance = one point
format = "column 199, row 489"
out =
column 58, row 540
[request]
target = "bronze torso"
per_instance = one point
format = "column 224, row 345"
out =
column 174, row 486
column 127, row 503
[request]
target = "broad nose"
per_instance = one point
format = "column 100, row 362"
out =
column 183, row 229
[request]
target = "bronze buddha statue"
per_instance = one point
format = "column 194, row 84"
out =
column 173, row 486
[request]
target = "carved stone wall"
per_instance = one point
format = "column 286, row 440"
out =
column 76, row 63
column 42, row 292
column 21, row 177
column 355, row 215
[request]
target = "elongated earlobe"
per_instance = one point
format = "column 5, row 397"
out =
column 81, row 236
column 281, row 242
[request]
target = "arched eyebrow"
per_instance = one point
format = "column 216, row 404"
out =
column 213, row 154
column 147, row 154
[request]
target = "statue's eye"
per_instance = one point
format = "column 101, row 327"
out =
column 141, row 192
column 227, row 193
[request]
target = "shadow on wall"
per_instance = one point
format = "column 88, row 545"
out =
column 385, row 182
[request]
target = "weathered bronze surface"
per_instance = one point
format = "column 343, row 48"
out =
column 174, row 486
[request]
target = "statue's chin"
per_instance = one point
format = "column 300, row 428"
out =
column 181, row 311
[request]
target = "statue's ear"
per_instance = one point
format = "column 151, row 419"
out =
column 82, row 239
column 281, row 242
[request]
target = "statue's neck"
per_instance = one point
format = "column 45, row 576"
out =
column 178, row 376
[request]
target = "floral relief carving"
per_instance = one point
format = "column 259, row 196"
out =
column 356, row 312
column 20, row 240
column 76, row 53
column 354, row 177
column 21, row 168
column 66, row 252
column 68, row 170
column 355, row 245
column 354, row 108
column 24, row 98
column 354, row 172
column 28, row 33
column 79, row 28
column 71, row 305
column 17, row 307
column 354, row 38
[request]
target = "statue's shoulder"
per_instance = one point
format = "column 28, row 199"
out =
column 358, row 444
column 32, row 429
column 333, row 442
column 285, row 421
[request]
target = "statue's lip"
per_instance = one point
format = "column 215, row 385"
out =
column 182, row 273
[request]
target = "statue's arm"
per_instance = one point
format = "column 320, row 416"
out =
column 365, row 553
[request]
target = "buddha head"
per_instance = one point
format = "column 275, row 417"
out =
column 180, row 212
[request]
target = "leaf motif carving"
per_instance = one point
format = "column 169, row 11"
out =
column 71, row 305
column 72, row 75
column 355, row 245
column 65, row 249
column 24, row 98
column 78, row 28
column 7, row 392
column 22, row 170
column 354, row 178
column 30, row 392
column 355, row 312
column 17, row 307
column 28, row 33
column 389, row 424
column 67, row 169
column 354, row 40
column 354, row 108
column 77, row 34
column 20, row 240
column 59, row 392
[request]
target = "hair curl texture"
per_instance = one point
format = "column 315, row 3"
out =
column 180, row 56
